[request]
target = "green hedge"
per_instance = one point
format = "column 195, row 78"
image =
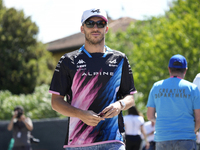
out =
column 36, row 105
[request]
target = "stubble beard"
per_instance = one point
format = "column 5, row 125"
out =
column 94, row 41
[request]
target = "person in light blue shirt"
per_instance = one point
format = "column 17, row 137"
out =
column 176, row 103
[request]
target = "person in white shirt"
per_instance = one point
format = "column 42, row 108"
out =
column 198, row 140
column 134, row 129
column 149, row 128
column 197, row 82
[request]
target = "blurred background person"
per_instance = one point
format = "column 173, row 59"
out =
column 133, row 123
column 149, row 128
column 22, row 127
column 176, row 102
column 197, row 82
column 198, row 140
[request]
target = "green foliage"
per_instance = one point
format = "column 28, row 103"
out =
column 36, row 105
column 25, row 62
column 150, row 44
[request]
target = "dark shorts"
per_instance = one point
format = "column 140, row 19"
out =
column 22, row 148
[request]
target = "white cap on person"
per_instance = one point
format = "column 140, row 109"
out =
column 95, row 12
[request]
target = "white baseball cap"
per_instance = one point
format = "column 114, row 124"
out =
column 95, row 12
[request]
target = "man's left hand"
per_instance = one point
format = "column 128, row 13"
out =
column 112, row 110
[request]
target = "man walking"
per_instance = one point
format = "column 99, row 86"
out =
column 98, row 84
column 177, row 104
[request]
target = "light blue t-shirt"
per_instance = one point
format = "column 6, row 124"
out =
column 174, row 100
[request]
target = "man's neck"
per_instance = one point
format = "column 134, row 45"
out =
column 98, row 48
column 177, row 75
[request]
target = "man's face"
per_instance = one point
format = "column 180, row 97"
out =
column 94, row 35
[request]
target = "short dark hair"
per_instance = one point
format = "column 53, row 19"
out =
column 133, row 111
column 177, row 70
column 19, row 108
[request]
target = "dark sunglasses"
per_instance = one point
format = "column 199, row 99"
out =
column 100, row 24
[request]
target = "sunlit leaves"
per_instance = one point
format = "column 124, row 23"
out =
column 25, row 62
column 149, row 44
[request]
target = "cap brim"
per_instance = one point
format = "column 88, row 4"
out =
column 95, row 16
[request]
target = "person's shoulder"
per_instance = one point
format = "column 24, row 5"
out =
column 147, row 123
column 186, row 82
column 197, row 78
column 128, row 116
column 115, row 52
column 70, row 56
column 72, row 53
column 198, row 75
column 28, row 119
column 189, row 84
column 140, row 117
column 137, row 117
column 159, row 82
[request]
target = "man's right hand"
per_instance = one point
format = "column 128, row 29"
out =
column 90, row 118
column 87, row 116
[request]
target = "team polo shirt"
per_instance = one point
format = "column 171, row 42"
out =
column 92, row 81
column 174, row 100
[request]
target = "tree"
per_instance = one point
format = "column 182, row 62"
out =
column 24, row 61
column 150, row 44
